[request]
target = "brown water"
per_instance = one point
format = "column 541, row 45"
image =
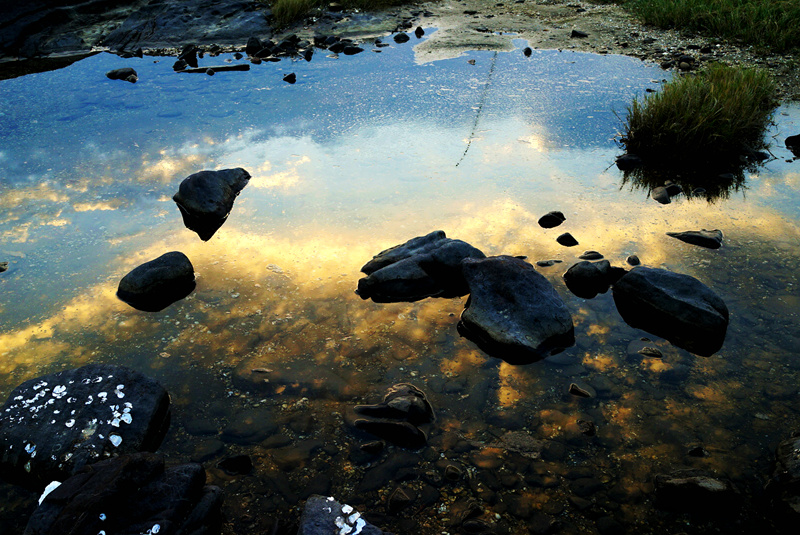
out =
column 361, row 154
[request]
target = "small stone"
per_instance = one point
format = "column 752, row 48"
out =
column 419, row 32
column 399, row 499
column 527, row 51
column 633, row 260
column 401, row 38
column 649, row 351
column 3, row 266
column 578, row 34
column 211, row 72
column 627, row 162
column 567, row 240
column 547, row 263
column 659, row 194
column 290, row 78
column 582, row 390
column 587, row 428
column 551, row 219
column 126, row 73
column 591, row 255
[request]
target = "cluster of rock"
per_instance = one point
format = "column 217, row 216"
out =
column 205, row 200
column 83, row 438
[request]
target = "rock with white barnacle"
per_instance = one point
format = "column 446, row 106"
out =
column 53, row 425
column 131, row 495
column 325, row 516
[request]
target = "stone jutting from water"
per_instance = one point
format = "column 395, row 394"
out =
column 426, row 266
column 551, row 219
column 513, row 312
column 784, row 486
column 673, row 306
column 206, row 198
column 126, row 73
column 397, row 417
column 53, row 425
column 587, row 279
column 131, row 495
column 325, row 516
column 710, row 239
column 158, row 283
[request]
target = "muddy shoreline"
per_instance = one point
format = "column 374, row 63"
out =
column 462, row 25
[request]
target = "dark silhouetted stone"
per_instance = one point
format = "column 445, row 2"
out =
column 527, row 51
column 633, row 260
column 401, row 38
column 513, row 312
column 426, row 266
column 578, row 34
column 206, row 199
column 352, row 50
column 567, row 240
column 419, row 32
column 628, row 162
column 660, row 195
column 130, row 495
column 290, row 78
column 710, row 239
column 551, row 219
column 591, row 255
column 403, row 402
column 587, row 279
column 158, row 283
column 53, row 425
column 677, row 307
column 793, row 144
column 126, row 73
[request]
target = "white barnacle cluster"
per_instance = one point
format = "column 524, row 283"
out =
column 351, row 523
column 124, row 416
column 155, row 529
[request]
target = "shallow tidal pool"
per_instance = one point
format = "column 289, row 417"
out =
column 362, row 153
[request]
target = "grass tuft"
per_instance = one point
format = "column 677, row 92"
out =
column 770, row 24
column 713, row 116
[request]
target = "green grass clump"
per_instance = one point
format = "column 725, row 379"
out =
column 771, row 24
column 288, row 11
column 712, row 116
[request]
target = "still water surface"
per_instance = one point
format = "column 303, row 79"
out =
column 360, row 154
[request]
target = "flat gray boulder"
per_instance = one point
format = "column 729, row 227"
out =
column 156, row 284
column 426, row 266
column 52, row 426
column 325, row 516
column 673, row 306
column 205, row 199
column 513, row 312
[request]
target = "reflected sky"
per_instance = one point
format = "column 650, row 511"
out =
column 359, row 155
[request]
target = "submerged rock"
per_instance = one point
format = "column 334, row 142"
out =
column 694, row 491
column 426, row 266
column 404, row 407
column 710, row 239
column 401, row 38
column 784, row 486
column 158, row 283
column 567, row 240
column 674, row 306
column 53, row 425
column 325, row 516
column 513, row 312
column 205, row 199
column 129, row 495
column 660, row 195
column 587, row 279
column 125, row 73
column 628, row 162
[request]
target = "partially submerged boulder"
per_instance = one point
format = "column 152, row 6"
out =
column 513, row 312
column 206, row 198
column 710, row 239
column 325, row 516
column 426, row 266
column 53, row 425
column 673, row 306
column 158, row 283
column 130, row 495
column 397, row 417
column 784, row 486
column 694, row 491
column 587, row 279
column 126, row 73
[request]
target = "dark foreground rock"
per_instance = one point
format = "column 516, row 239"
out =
column 513, row 312
column 131, row 495
column 694, row 491
column 793, row 144
column 784, row 486
column 677, row 307
column 397, row 417
column 156, row 284
column 206, row 198
column 325, row 516
column 426, row 266
column 53, row 425
column 126, row 73
column 587, row 279
column 551, row 219
column 710, row 239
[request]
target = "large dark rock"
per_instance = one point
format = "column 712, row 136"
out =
column 206, row 198
column 513, row 312
column 158, row 283
column 793, row 144
column 326, row 516
column 426, row 266
column 587, row 279
column 677, row 307
column 131, row 495
column 710, row 239
column 695, row 491
column 53, row 425
column 552, row 219
column 397, row 417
